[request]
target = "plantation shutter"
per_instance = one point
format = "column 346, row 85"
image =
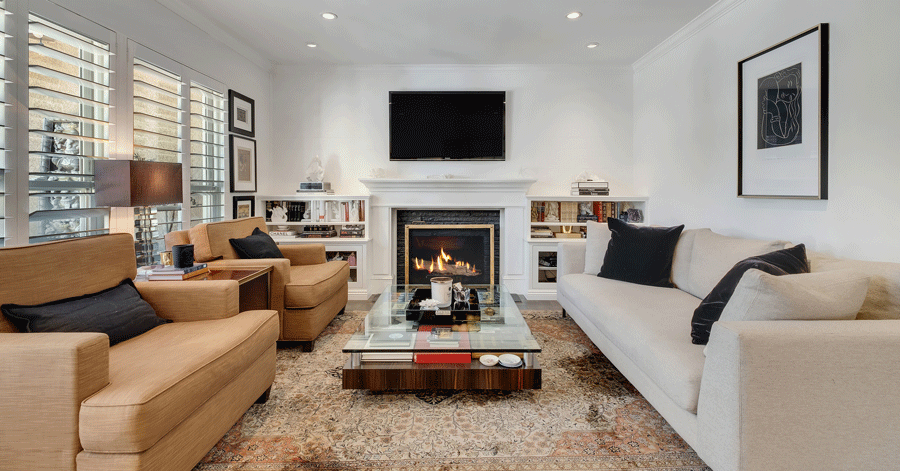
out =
column 5, row 159
column 207, row 154
column 69, row 127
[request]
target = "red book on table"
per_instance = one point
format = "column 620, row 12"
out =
column 442, row 357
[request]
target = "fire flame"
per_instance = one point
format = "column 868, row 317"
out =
column 444, row 256
column 444, row 261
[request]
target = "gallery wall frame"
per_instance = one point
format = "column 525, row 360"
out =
column 242, row 164
column 241, row 114
column 783, row 119
column 243, row 207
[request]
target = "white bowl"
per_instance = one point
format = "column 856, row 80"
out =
column 509, row 360
column 489, row 360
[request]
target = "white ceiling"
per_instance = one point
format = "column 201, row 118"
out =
column 370, row 32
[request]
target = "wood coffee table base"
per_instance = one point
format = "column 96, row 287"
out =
column 380, row 376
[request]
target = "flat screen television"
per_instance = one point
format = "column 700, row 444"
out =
column 447, row 125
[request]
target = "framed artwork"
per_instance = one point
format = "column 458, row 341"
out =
column 243, row 207
column 243, row 164
column 241, row 114
column 783, row 119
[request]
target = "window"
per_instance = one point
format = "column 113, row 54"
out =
column 4, row 129
column 68, row 128
column 157, row 137
column 207, row 155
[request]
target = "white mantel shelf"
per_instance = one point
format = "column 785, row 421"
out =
column 503, row 185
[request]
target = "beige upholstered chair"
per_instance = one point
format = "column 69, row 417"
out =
column 307, row 290
column 160, row 400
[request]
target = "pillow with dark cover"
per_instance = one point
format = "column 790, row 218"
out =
column 118, row 312
column 780, row 262
column 640, row 254
column 256, row 245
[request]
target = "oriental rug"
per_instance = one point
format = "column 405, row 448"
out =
column 586, row 417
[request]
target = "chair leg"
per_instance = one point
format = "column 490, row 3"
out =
column 306, row 345
column 265, row 396
column 564, row 314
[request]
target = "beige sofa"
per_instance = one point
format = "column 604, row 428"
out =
column 307, row 290
column 158, row 401
column 767, row 395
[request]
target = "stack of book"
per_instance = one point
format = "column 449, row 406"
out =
column 167, row 273
column 290, row 233
column 440, row 338
column 541, row 232
column 353, row 230
column 597, row 188
column 318, row 232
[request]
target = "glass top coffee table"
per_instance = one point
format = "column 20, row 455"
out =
column 399, row 346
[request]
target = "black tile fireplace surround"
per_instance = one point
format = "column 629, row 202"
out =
column 423, row 217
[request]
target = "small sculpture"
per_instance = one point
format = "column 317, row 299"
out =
column 552, row 214
column 315, row 172
column 588, row 177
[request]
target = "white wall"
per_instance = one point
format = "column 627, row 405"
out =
column 560, row 121
column 685, row 128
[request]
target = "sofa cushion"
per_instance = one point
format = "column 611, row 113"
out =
column 648, row 324
column 640, row 254
column 158, row 379
column 312, row 284
column 710, row 256
column 598, row 236
column 780, row 262
column 118, row 312
column 883, row 296
column 256, row 245
column 828, row 295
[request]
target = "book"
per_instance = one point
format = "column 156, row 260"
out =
column 442, row 357
column 175, row 276
column 171, row 270
column 387, row 356
column 394, row 339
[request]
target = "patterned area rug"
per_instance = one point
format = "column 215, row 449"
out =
column 586, row 417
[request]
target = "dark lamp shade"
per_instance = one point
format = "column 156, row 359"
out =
column 126, row 183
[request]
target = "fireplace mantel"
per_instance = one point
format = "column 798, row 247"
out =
column 506, row 194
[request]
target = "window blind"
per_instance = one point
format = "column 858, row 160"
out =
column 68, row 128
column 157, row 137
column 4, row 128
column 207, row 154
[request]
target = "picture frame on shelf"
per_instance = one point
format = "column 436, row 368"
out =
column 783, row 119
column 241, row 114
column 242, row 164
column 243, row 207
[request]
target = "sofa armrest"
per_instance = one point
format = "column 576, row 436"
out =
column 304, row 254
column 182, row 301
column 43, row 379
column 570, row 258
column 799, row 394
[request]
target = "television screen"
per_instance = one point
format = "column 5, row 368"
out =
column 447, row 125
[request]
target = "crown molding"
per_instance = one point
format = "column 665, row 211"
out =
column 217, row 32
column 445, row 68
column 696, row 25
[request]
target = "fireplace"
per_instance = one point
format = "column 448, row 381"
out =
column 464, row 245
column 464, row 252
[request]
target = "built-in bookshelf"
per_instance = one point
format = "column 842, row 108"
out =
column 564, row 218
column 314, row 217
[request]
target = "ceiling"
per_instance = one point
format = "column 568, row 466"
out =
column 368, row 32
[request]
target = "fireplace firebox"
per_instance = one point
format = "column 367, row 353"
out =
column 464, row 252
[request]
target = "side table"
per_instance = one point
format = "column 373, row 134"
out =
column 254, row 284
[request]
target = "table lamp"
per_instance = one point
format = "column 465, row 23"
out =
column 142, row 184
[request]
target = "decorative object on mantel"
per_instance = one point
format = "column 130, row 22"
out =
column 242, row 114
column 783, row 119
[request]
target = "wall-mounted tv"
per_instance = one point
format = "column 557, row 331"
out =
column 447, row 125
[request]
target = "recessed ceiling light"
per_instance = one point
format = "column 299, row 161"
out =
column 311, row 44
column 592, row 45
column 574, row 15
column 328, row 15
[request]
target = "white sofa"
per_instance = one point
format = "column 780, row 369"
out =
column 767, row 395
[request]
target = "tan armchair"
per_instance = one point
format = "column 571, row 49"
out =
column 307, row 290
column 160, row 400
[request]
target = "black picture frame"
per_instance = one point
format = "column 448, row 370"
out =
column 242, row 164
column 783, row 119
column 239, row 206
column 241, row 114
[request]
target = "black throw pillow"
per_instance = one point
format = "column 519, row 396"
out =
column 780, row 262
column 118, row 312
column 256, row 245
column 640, row 254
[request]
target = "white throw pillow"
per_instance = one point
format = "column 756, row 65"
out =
column 830, row 295
column 598, row 236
